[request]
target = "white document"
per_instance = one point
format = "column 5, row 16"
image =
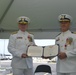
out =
column 47, row 51
column 35, row 51
column 51, row 50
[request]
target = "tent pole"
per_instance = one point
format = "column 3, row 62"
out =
column 6, row 11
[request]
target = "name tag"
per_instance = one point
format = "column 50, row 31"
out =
column 19, row 37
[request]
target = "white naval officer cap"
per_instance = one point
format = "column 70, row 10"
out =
column 23, row 20
column 64, row 17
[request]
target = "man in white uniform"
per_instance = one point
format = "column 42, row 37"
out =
column 66, row 63
column 18, row 44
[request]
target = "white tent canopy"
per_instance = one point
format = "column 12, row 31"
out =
column 43, row 15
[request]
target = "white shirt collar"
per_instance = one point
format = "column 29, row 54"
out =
column 22, row 32
column 67, row 32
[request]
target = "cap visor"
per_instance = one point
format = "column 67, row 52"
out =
column 23, row 22
column 64, row 20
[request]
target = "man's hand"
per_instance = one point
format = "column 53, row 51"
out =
column 24, row 55
column 62, row 55
column 51, row 57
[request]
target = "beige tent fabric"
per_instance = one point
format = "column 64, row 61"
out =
column 43, row 14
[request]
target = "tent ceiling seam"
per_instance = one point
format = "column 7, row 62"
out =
column 6, row 11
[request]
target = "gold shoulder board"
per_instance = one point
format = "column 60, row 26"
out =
column 30, row 33
column 74, row 32
column 14, row 32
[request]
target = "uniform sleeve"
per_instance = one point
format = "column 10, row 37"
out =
column 72, row 53
column 11, row 47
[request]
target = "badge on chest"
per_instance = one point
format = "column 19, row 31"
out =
column 19, row 37
column 69, row 41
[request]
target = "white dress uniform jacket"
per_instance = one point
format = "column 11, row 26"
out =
column 67, row 44
column 18, row 44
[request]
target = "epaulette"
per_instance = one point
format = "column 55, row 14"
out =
column 58, row 34
column 14, row 32
column 74, row 32
column 30, row 33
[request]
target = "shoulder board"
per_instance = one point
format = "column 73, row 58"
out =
column 14, row 32
column 73, row 32
column 30, row 33
column 58, row 34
